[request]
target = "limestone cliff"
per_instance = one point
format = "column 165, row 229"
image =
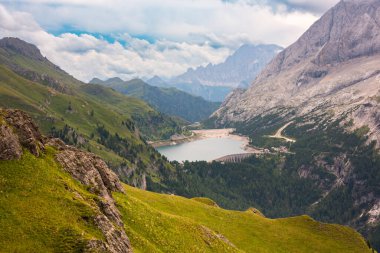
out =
column 334, row 66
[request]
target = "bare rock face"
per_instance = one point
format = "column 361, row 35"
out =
column 23, row 126
column 18, row 131
column 348, row 30
column 368, row 115
column 93, row 172
column 90, row 170
column 11, row 148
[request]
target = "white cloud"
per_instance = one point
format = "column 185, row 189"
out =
column 85, row 56
column 185, row 33
column 171, row 19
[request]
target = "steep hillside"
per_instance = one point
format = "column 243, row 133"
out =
column 96, row 119
column 167, row 100
column 56, row 198
column 333, row 66
column 238, row 70
column 151, row 124
column 323, row 91
column 167, row 223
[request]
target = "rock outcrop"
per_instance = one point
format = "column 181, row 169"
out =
column 10, row 149
column 24, row 130
column 18, row 131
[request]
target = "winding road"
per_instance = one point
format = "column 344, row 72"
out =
column 279, row 135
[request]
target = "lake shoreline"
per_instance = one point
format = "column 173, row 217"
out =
column 196, row 135
column 207, row 134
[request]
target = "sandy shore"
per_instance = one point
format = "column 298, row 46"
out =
column 214, row 133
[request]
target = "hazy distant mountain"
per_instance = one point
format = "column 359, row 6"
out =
column 158, row 82
column 215, row 82
column 167, row 100
column 239, row 69
column 209, row 93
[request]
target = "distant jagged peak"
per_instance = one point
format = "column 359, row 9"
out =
column 156, row 78
column 242, row 66
column 96, row 80
column 115, row 79
column 107, row 82
column 21, row 47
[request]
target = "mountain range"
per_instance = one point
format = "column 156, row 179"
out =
column 215, row 82
column 238, row 70
column 170, row 101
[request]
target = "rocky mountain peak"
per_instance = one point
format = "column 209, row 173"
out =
column 21, row 47
column 349, row 30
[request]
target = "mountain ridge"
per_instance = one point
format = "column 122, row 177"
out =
column 167, row 100
column 215, row 82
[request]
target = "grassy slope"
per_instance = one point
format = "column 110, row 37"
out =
column 146, row 118
column 49, row 108
column 39, row 205
column 167, row 100
column 44, row 104
column 40, row 208
column 166, row 223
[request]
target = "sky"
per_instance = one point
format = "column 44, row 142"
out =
column 143, row 38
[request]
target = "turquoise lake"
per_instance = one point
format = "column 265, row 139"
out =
column 203, row 150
